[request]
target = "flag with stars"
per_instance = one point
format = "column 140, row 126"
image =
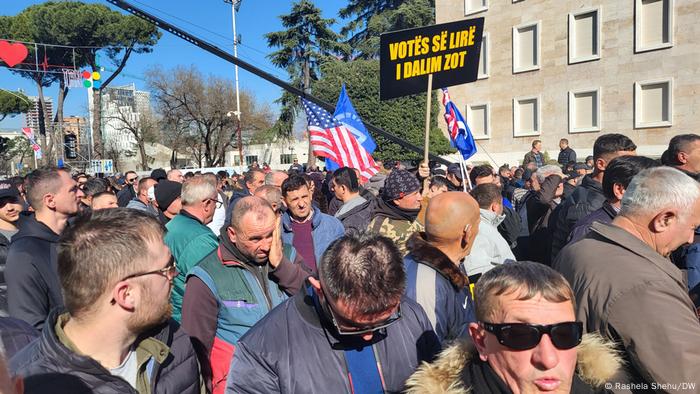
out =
column 332, row 139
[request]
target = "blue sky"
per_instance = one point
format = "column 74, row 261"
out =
column 255, row 18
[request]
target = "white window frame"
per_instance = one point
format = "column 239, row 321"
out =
column 483, row 8
column 516, row 115
column 572, row 34
column 638, row 47
column 487, row 135
column 572, row 111
column 515, row 50
column 486, row 52
column 638, row 124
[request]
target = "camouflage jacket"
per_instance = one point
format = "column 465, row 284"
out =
column 397, row 230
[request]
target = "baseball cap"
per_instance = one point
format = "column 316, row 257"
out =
column 7, row 189
column 455, row 170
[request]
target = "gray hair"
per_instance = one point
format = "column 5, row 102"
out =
column 197, row 189
column 270, row 177
column 659, row 188
column 543, row 172
column 527, row 279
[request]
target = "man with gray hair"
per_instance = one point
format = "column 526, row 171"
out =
column 275, row 178
column 188, row 236
column 627, row 289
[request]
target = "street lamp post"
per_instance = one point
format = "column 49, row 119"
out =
column 235, row 5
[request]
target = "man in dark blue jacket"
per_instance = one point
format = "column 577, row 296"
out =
column 351, row 330
column 31, row 274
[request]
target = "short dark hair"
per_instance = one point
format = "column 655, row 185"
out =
column 622, row 169
column 249, row 176
column 679, row 144
column 365, row 271
column 103, row 193
column 293, row 183
column 189, row 174
column 101, row 248
column 222, row 174
column 347, row 177
column 95, row 186
column 480, row 172
column 438, row 181
column 611, row 143
column 502, row 168
column 42, row 181
column 486, row 194
column 564, row 140
column 535, row 142
column 129, row 172
column 142, row 184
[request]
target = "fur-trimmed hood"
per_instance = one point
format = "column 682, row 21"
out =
column 427, row 254
column 597, row 363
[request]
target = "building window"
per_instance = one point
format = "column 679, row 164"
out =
column 249, row 159
column 584, row 111
column 526, row 47
column 286, row 158
column 584, row 35
column 526, row 116
column 653, row 24
column 474, row 6
column 479, row 120
column 653, row 103
column 484, row 57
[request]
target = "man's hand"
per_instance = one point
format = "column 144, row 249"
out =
column 275, row 256
column 423, row 170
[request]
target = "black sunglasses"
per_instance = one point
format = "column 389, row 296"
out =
column 522, row 336
column 356, row 330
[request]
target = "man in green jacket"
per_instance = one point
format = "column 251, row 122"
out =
column 188, row 236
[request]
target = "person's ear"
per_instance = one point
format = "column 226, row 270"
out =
column 682, row 157
column 600, row 164
column 231, row 234
column 123, row 295
column 494, row 207
column 663, row 221
column 478, row 336
column 618, row 191
column 316, row 284
column 49, row 200
column 466, row 236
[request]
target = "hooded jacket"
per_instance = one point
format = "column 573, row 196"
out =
column 490, row 248
column 457, row 370
column 357, row 219
column 33, row 288
column 47, row 365
column 324, row 230
column 440, row 286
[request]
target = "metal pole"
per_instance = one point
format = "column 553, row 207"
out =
column 234, row 3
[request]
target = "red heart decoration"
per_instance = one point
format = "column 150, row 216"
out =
column 13, row 54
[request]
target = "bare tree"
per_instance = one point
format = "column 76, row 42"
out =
column 143, row 126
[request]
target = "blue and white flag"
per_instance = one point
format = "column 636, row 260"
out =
column 345, row 113
column 460, row 135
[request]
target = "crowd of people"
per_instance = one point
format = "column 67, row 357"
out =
column 565, row 277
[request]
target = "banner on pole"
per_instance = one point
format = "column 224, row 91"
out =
column 29, row 133
column 449, row 51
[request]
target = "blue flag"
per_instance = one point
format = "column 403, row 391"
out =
column 345, row 113
column 460, row 135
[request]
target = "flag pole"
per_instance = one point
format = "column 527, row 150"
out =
column 466, row 171
column 427, row 118
column 462, row 170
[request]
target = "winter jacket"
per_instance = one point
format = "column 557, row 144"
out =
column 687, row 258
column 304, row 354
column 237, row 195
column 510, row 226
column 376, row 183
column 189, row 241
column 357, row 219
column 532, row 157
column 637, row 298
column 539, row 210
column 324, row 230
column 226, row 295
column 33, row 288
column 585, row 199
column 605, row 214
column 440, row 286
column 4, row 248
column 15, row 335
column 139, row 205
column 395, row 223
column 566, row 156
column 125, row 195
column 489, row 249
column 48, row 366
column 459, row 370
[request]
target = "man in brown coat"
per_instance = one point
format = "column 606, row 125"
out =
column 627, row 289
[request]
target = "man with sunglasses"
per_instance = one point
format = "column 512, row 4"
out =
column 10, row 209
column 526, row 340
column 350, row 330
column 116, row 334
column 128, row 192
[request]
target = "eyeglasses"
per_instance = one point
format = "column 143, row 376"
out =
column 132, row 180
column 170, row 271
column 219, row 204
column 522, row 336
column 357, row 330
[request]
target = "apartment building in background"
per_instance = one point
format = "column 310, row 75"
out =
column 31, row 118
column 552, row 69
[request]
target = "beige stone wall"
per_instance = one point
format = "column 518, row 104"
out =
column 615, row 73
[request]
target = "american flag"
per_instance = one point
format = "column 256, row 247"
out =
column 331, row 138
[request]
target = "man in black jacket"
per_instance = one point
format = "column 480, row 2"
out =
column 116, row 335
column 566, row 154
column 32, row 282
column 355, row 211
column 589, row 196
column 350, row 330
column 128, row 192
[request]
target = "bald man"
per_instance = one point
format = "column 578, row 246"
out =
column 436, row 277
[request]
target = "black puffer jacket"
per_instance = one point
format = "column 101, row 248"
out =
column 49, row 367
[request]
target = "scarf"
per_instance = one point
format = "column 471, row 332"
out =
column 392, row 211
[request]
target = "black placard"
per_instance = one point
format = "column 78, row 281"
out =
column 449, row 51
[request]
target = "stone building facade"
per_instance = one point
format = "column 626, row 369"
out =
column 576, row 69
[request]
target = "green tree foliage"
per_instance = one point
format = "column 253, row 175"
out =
column 403, row 117
column 306, row 42
column 12, row 104
column 13, row 150
column 370, row 18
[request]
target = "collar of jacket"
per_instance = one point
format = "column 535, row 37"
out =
column 315, row 219
column 431, row 256
column 589, row 183
column 491, row 217
column 392, row 211
column 633, row 244
column 356, row 209
column 30, row 227
column 597, row 363
column 188, row 215
column 609, row 210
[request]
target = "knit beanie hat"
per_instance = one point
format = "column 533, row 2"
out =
column 398, row 184
column 158, row 174
column 166, row 192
